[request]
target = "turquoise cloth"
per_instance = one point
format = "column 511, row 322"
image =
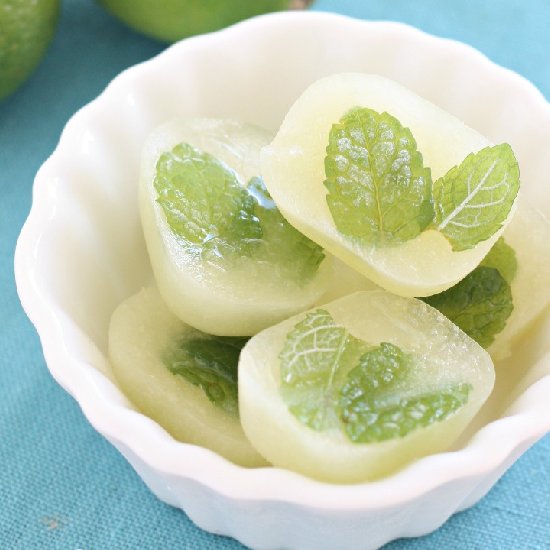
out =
column 61, row 484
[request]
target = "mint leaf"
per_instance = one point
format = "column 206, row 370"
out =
column 205, row 204
column 378, row 188
column 502, row 257
column 480, row 304
column 211, row 363
column 370, row 417
column 330, row 379
column 217, row 218
column 313, row 357
column 472, row 200
column 292, row 254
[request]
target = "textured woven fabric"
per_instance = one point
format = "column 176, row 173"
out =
column 61, row 484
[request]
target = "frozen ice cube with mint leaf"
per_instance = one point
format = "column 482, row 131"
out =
column 224, row 258
column 391, row 184
column 359, row 387
column 182, row 378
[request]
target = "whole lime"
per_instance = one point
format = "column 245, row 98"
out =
column 26, row 29
column 170, row 20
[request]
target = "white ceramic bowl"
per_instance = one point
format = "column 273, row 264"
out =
column 81, row 252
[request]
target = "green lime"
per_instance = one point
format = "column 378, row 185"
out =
column 170, row 20
column 26, row 29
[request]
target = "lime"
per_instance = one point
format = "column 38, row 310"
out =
column 26, row 29
column 170, row 20
column 360, row 387
column 225, row 260
column 296, row 173
column 143, row 337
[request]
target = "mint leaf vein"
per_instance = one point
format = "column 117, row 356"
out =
column 378, row 188
column 472, row 200
column 311, row 359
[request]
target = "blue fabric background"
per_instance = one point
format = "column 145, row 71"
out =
column 62, row 485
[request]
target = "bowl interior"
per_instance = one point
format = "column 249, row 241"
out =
column 88, row 252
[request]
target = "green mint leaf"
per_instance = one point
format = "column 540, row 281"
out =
column 330, row 379
column 217, row 218
column 479, row 304
column 378, row 188
column 472, row 200
column 502, row 257
column 378, row 368
column 211, row 363
column 205, row 204
column 292, row 254
column 312, row 359
column 369, row 416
